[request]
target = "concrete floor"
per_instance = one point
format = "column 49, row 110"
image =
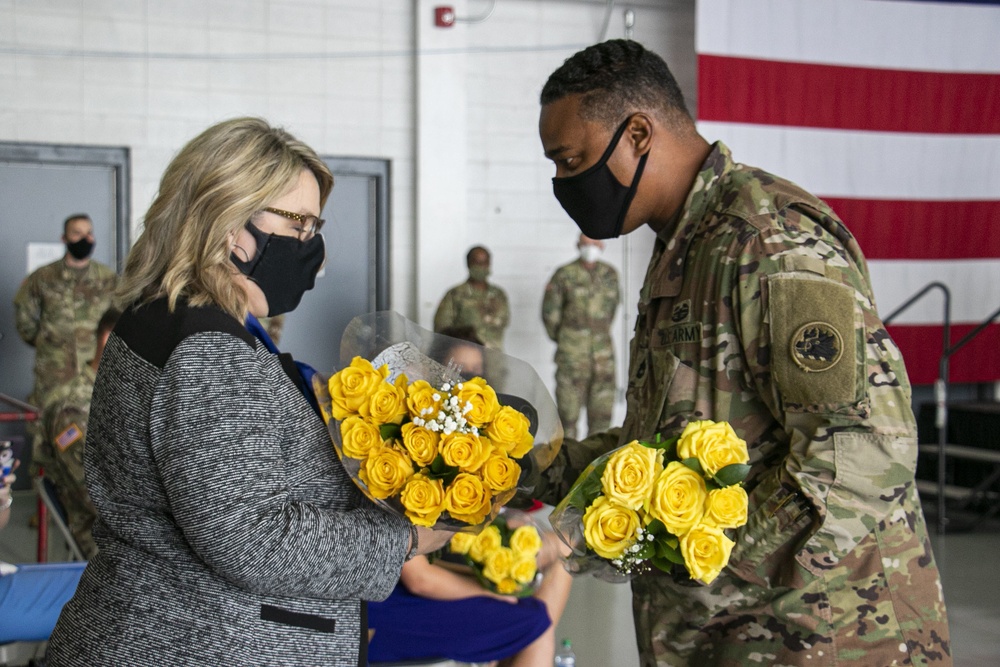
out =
column 598, row 617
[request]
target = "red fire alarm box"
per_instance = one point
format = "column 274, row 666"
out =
column 444, row 16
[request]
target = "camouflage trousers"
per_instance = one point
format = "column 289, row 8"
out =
column 585, row 382
column 67, row 475
column 880, row 605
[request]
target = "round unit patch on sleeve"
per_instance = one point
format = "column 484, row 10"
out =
column 816, row 347
column 817, row 341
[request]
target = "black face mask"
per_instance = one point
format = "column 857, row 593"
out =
column 284, row 268
column 80, row 249
column 594, row 198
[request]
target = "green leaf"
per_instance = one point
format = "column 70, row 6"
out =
column 390, row 431
column 646, row 550
column 656, row 527
column 732, row 474
column 662, row 564
column 694, row 465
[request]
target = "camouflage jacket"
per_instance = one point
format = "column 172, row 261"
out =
column 757, row 308
column 64, row 422
column 56, row 311
column 485, row 311
column 578, row 307
column 64, row 419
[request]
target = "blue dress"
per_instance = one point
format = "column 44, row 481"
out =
column 480, row 629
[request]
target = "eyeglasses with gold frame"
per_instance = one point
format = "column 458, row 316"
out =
column 310, row 223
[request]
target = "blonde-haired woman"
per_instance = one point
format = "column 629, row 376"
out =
column 228, row 531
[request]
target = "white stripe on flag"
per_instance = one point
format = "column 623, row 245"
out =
column 974, row 286
column 921, row 36
column 869, row 165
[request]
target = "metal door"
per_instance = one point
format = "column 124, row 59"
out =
column 40, row 185
column 355, row 279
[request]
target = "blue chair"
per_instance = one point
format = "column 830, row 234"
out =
column 30, row 602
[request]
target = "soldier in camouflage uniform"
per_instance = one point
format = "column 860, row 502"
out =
column 476, row 303
column 757, row 308
column 56, row 309
column 64, row 421
column 579, row 304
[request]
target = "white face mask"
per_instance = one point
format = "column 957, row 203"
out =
column 590, row 253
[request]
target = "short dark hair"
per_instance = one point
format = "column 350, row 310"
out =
column 108, row 321
column 472, row 251
column 75, row 216
column 616, row 78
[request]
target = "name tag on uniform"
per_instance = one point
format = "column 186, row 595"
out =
column 68, row 437
column 679, row 333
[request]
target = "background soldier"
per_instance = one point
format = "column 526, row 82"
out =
column 579, row 304
column 56, row 310
column 476, row 303
column 64, row 420
column 757, row 309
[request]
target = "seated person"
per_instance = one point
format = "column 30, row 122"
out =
column 436, row 612
column 31, row 596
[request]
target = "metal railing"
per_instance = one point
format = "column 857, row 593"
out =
column 941, row 384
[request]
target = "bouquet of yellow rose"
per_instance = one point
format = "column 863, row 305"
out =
column 662, row 504
column 423, row 440
column 503, row 556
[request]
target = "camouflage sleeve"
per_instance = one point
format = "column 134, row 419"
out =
column 444, row 316
column 27, row 310
column 834, row 381
column 503, row 317
column 66, row 431
column 572, row 458
column 552, row 307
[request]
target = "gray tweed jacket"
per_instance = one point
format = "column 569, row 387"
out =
column 229, row 532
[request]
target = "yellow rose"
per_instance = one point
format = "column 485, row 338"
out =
column 678, row 500
column 500, row 472
column 706, row 551
column 387, row 405
column 609, row 528
column 525, row 541
column 482, row 398
column 726, row 507
column 714, row 444
column 508, row 586
column 509, row 432
column 358, row 436
column 351, row 387
column 467, row 499
column 466, row 451
column 629, row 475
column 420, row 443
column 497, row 565
column 523, row 569
column 461, row 543
column 423, row 499
column 486, row 541
column 386, row 471
column 420, row 399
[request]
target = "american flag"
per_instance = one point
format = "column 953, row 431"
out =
column 889, row 111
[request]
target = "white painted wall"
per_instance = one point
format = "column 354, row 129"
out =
column 455, row 110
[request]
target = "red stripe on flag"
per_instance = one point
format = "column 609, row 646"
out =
column 768, row 92
column 914, row 229
column 979, row 361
